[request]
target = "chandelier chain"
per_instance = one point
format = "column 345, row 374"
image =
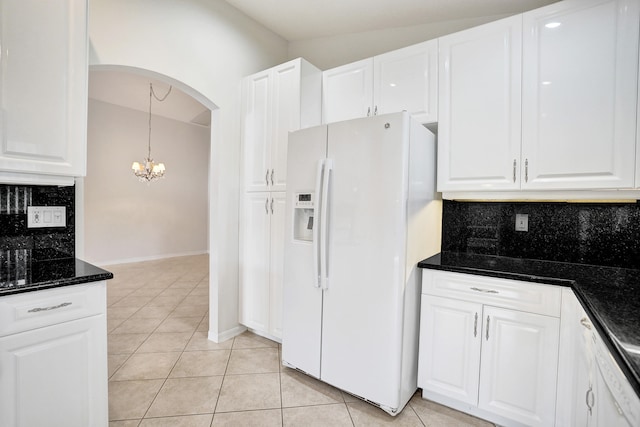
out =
column 148, row 170
column 152, row 92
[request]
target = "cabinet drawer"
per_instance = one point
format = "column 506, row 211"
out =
column 36, row 309
column 513, row 294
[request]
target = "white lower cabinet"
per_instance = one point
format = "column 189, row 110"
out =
column 262, row 247
column 54, row 374
column 592, row 391
column 482, row 354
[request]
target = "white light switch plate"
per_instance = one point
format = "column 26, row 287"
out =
column 46, row 216
column 522, row 222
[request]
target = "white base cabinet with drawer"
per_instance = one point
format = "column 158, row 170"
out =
column 53, row 357
column 489, row 347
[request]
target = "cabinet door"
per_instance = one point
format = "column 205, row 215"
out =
column 518, row 370
column 254, row 268
column 55, row 376
column 286, row 117
column 257, row 132
column 407, row 79
column 606, row 410
column 574, row 363
column 43, row 88
column 347, row 91
column 580, row 79
column 276, row 263
column 479, row 107
column 450, row 337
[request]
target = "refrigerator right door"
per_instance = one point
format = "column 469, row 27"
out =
column 362, row 307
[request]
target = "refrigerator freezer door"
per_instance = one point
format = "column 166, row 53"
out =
column 302, row 297
column 362, row 313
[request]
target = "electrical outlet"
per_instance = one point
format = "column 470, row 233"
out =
column 522, row 222
column 46, row 216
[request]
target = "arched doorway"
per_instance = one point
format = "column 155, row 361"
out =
column 213, row 132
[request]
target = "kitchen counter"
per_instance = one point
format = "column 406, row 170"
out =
column 611, row 296
column 26, row 270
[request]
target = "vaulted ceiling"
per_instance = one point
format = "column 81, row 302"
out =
column 307, row 19
column 301, row 20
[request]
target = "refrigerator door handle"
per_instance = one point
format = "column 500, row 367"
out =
column 324, row 225
column 316, row 225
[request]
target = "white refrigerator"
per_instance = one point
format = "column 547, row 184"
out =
column 361, row 213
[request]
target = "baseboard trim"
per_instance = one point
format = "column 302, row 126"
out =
column 226, row 335
column 147, row 258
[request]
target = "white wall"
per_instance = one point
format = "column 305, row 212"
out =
column 330, row 52
column 208, row 46
column 126, row 220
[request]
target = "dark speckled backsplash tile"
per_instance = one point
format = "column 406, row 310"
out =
column 14, row 233
column 600, row 234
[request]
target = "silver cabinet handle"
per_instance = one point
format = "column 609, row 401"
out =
column 368, row 111
column 266, row 177
column 514, row 170
column 475, row 326
column 272, row 177
column 487, row 334
column 272, row 206
column 53, row 307
column 585, row 322
column 590, row 398
column 266, row 206
column 486, row 291
column 526, row 170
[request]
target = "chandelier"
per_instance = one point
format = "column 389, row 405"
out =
column 148, row 170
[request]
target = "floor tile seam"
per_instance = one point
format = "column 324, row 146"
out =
column 248, row 410
column 314, row 405
column 143, row 379
column 224, row 376
column 183, row 351
column 250, row 373
column 409, row 405
column 154, row 398
column 119, row 367
column 353, row 423
column 281, row 396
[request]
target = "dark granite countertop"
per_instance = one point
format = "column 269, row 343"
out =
column 26, row 270
column 609, row 295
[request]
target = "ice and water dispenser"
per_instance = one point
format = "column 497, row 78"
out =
column 303, row 217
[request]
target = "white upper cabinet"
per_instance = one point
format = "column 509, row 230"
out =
column 43, row 90
column 257, row 131
column 479, row 107
column 275, row 102
column 407, row 79
column 403, row 79
column 580, row 65
column 347, row 91
column 564, row 120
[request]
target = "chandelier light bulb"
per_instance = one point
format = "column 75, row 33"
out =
column 148, row 170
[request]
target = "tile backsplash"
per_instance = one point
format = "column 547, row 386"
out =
column 586, row 233
column 14, row 234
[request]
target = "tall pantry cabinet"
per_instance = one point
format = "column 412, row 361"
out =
column 275, row 101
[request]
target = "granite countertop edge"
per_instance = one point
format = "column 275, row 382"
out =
column 580, row 282
column 84, row 273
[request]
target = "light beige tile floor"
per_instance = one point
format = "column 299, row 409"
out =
column 163, row 371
